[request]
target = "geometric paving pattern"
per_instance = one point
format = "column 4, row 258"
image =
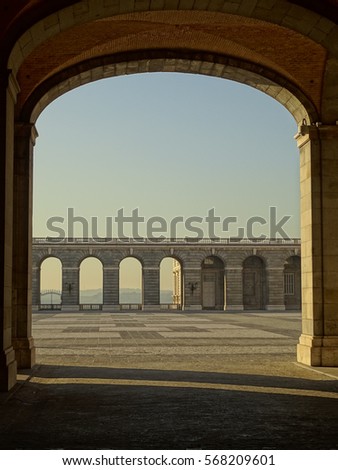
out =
column 203, row 339
column 166, row 380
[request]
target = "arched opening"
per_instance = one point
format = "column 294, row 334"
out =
column 50, row 284
column 91, row 284
column 162, row 179
column 292, row 283
column 213, row 286
column 130, row 284
column 254, row 283
column 278, row 70
column 171, row 282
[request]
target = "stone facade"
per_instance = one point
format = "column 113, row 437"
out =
column 225, row 275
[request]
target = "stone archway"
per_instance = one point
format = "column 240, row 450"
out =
column 131, row 296
column 171, row 283
column 52, row 289
column 91, row 283
column 50, row 48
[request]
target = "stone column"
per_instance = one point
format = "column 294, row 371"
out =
column 111, row 283
column 36, row 277
column 318, row 344
column 8, row 92
column 234, row 286
column 177, row 295
column 275, row 288
column 192, row 289
column 25, row 136
column 151, row 288
column 70, row 288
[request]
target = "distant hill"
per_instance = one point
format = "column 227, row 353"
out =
column 127, row 296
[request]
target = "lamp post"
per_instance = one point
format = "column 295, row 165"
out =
column 69, row 286
column 192, row 286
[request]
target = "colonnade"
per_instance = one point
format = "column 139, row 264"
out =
column 227, row 277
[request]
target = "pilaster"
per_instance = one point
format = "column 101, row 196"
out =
column 70, row 288
column 111, row 282
column 275, row 281
column 318, row 145
column 192, row 289
column 151, row 288
column 234, row 287
column 25, row 137
column 8, row 92
column 36, row 283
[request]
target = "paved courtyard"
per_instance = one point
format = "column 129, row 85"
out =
column 206, row 342
column 170, row 381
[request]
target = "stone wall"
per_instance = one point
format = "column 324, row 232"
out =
column 248, row 274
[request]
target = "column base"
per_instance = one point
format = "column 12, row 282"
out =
column 276, row 308
column 237, row 308
column 151, row 308
column 318, row 351
column 111, row 308
column 193, row 307
column 8, row 369
column 24, row 352
column 70, row 308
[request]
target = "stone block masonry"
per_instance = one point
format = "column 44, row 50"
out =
column 214, row 275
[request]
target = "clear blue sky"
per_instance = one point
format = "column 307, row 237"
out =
column 169, row 145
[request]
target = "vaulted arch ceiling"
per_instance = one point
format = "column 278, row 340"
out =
column 275, row 47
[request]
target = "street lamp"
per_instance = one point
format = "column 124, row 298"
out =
column 192, row 286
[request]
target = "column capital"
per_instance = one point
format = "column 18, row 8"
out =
column 26, row 129
column 313, row 132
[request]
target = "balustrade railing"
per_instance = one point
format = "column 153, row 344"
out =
column 85, row 307
column 167, row 241
column 130, row 306
column 45, row 307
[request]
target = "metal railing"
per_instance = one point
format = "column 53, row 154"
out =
column 51, row 291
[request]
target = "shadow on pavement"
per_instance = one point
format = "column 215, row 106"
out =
column 73, row 407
